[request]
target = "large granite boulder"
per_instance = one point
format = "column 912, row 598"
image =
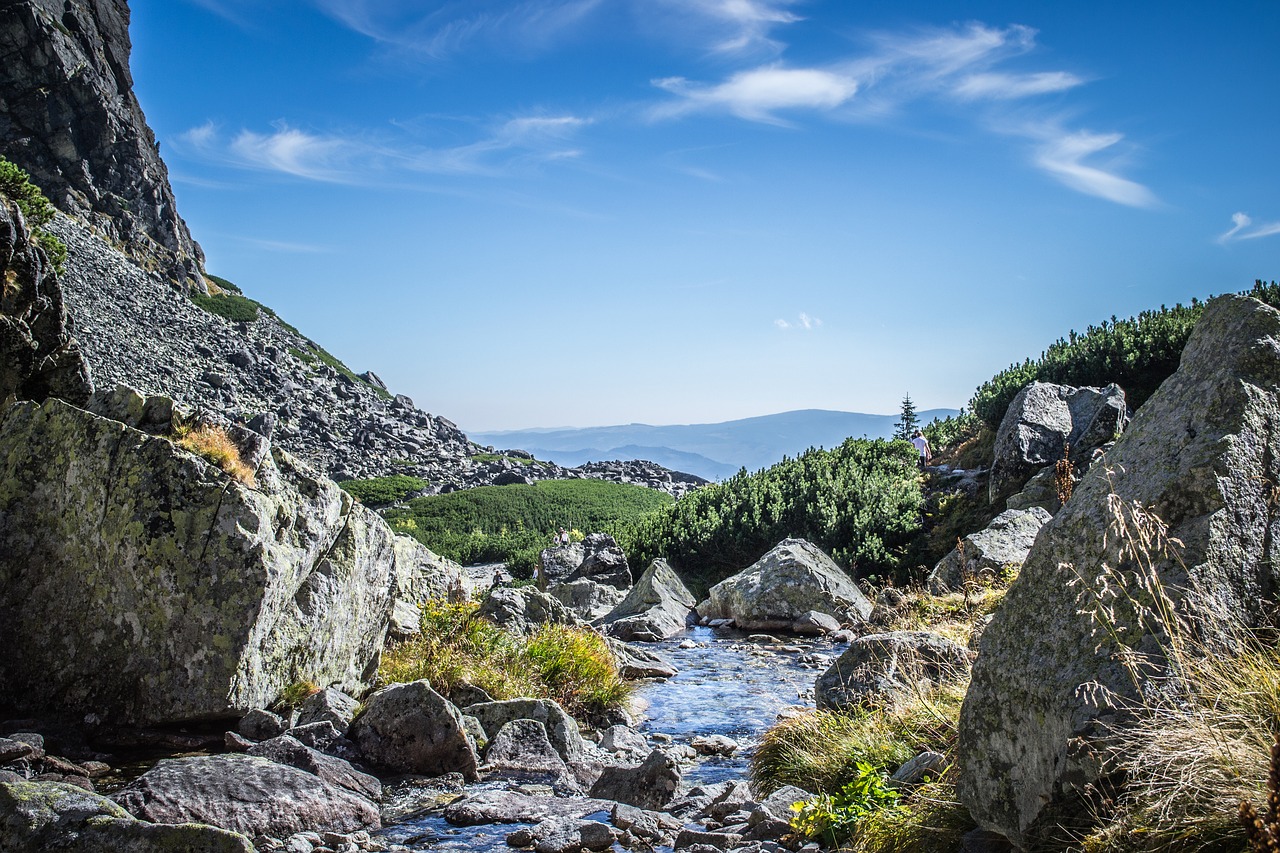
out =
column 422, row 575
column 245, row 794
column 522, row 750
column 36, row 817
column 651, row 784
column 1042, row 419
column 335, row 771
column 656, row 608
column 1203, row 454
column 1002, row 545
column 793, row 578
column 560, row 561
column 881, row 668
column 523, row 610
column 413, row 729
column 140, row 582
column 603, row 562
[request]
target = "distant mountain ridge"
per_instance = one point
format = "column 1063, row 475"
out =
column 714, row 451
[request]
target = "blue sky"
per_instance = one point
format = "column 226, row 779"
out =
column 586, row 212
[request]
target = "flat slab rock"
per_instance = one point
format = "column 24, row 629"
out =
column 249, row 795
column 484, row 807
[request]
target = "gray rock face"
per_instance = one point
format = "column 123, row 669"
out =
column 328, row 705
column 252, row 796
column 42, row 816
column 522, row 750
column 1201, row 454
column 185, row 593
column 38, row 356
column 70, row 118
column 603, row 562
column 413, row 729
column 490, row 806
column 562, row 731
column 882, row 667
column 335, row 771
column 1005, row 542
column 1044, row 417
column 656, row 608
column 560, row 561
column 793, row 578
column 585, row 598
column 523, row 610
column 636, row 662
column 649, row 785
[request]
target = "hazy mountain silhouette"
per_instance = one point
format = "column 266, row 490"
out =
column 714, row 451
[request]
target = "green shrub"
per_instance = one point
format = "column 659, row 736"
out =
column 514, row 523
column 860, row 502
column 231, row 306
column 834, row 818
column 223, row 284
column 36, row 210
column 1137, row 354
column 379, row 491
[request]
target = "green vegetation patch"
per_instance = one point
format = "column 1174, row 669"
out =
column 456, row 646
column 514, row 523
column 379, row 491
column 36, row 210
column 230, row 306
column 860, row 502
column 1137, row 354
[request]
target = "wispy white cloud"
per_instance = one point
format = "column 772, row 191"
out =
column 760, row 93
column 726, row 26
column 957, row 69
column 1244, row 229
column 441, row 30
column 803, row 323
column 286, row 246
column 1063, row 156
column 1010, row 86
column 361, row 159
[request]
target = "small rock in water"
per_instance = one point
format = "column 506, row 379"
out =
column 714, row 745
column 687, row 644
column 763, row 638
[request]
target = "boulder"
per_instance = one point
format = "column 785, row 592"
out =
column 813, row 623
column 41, row 816
column 603, row 562
column 771, row 818
column 885, row 667
column 585, row 598
column 142, row 583
column 625, row 742
column 1002, row 545
column 487, row 805
column 1042, row 419
column 560, row 561
column 522, row 610
column 565, row 835
column 656, row 608
column 249, row 795
column 260, row 724
column 522, row 750
column 1202, row 454
column 650, row 784
column 781, row 586
column 422, row 575
column 328, row 705
column 562, row 731
column 335, row 771
column 413, row 729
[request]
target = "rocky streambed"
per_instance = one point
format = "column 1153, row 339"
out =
column 731, row 687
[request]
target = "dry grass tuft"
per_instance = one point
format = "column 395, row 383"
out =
column 570, row 665
column 212, row 442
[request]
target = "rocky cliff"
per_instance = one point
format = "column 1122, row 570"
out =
column 68, row 116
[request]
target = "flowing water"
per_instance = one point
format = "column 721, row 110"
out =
column 730, row 683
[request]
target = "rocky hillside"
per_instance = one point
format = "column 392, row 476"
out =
column 135, row 329
column 69, row 118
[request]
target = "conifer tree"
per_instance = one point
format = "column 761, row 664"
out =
column 908, row 423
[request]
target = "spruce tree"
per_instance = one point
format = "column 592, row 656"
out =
column 908, row 423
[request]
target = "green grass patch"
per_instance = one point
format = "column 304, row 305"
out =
column 514, row 523
column 230, row 306
column 379, row 491
column 573, row 666
column 223, row 284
